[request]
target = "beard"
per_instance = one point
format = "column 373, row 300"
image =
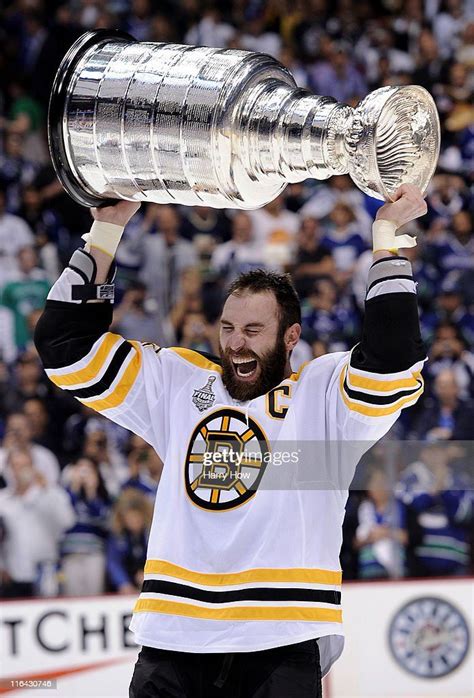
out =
column 272, row 366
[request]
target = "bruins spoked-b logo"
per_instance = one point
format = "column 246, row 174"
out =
column 226, row 459
column 429, row 637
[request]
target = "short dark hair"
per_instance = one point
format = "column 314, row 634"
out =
column 281, row 285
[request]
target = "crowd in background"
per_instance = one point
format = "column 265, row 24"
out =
column 77, row 491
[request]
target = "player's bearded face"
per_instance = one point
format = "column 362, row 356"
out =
column 247, row 374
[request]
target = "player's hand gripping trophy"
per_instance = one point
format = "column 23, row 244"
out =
column 222, row 128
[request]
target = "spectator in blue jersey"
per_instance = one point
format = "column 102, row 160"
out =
column 126, row 549
column 442, row 505
column 454, row 250
column 449, row 307
column 343, row 238
column 326, row 317
column 84, row 545
column 445, row 416
column 381, row 532
column 145, row 467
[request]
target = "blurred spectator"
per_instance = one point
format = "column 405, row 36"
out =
column 25, row 292
column 339, row 190
column 443, row 506
column 16, row 171
column 343, row 238
column 448, row 25
column 339, row 77
column 381, row 532
column 210, row 30
column 145, row 466
column 35, row 514
column 445, row 416
column 139, row 318
column 449, row 308
column 326, row 317
column 8, row 349
column 43, row 430
column 448, row 351
column 18, row 436
column 275, row 231
column 138, row 21
column 14, row 234
column 197, row 333
column 83, row 546
column 203, row 220
column 27, row 119
column 126, row 551
column 28, row 380
column 312, row 257
column 445, row 197
column 111, row 466
column 50, row 234
column 431, row 67
column 255, row 36
column 164, row 255
column 455, row 249
column 242, row 252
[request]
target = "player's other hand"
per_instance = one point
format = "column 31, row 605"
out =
column 408, row 204
column 119, row 212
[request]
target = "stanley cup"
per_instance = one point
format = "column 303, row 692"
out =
column 222, row 128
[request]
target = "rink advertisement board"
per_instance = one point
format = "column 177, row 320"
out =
column 408, row 638
column 82, row 645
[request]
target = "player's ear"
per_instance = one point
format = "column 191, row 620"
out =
column 292, row 336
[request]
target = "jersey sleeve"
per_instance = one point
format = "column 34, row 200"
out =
column 382, row 374
column 122, row 379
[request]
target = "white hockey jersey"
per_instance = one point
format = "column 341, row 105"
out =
column 243, row 555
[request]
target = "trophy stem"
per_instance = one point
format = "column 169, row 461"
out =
column 292, row 134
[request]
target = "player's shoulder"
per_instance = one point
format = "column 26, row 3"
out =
column 186, row 359
column 321, row 366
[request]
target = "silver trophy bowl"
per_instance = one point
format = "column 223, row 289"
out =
column 224, row 128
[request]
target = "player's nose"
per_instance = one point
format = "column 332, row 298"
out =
column 236, row 341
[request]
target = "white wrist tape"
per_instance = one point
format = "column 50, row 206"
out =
column 384, row 237
column 103, row 236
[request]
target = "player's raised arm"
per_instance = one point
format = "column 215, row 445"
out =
column 101, row 369
column 383, row 374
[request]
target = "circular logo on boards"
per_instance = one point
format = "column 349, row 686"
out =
column 429, row 637
column 226, row 459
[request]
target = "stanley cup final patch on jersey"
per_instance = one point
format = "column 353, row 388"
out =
column 204, row 397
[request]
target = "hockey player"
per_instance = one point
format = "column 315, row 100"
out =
column 242, row 588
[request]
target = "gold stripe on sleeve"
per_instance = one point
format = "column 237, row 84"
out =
column 118, row 395
column 370, row 411
column 357, row 381
column 90, row 371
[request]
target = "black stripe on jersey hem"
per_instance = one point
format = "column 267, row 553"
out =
column 378, row 399
column 109, row 376
column 155, row 586
column 390, row 278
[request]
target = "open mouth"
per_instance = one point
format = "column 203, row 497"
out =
column 245, row 368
